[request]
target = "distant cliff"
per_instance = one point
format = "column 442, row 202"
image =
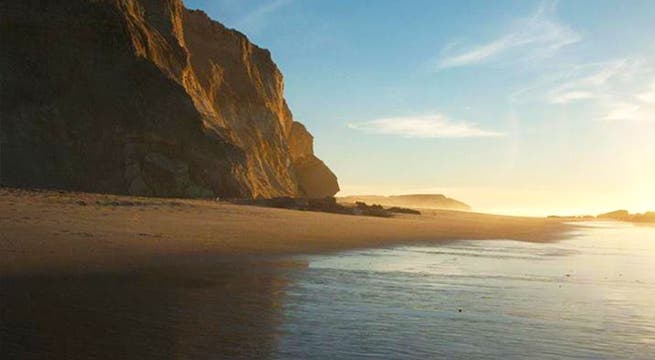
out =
column 624, row 215
column 145, row 97
column 427, row 201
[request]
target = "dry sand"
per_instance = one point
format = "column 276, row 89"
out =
column 44, row 230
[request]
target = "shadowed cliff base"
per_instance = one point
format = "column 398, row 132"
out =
column 328, row 205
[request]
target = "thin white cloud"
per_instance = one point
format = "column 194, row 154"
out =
column 255, row 19
column 427, row 126
column 536, row 36
column 606, row 78
column 632, row 106
column 629, row 111
column 648, row 96
column 478, row 54
column 620, row 90
column 570, row 96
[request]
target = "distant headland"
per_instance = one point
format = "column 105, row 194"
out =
column 617, row 215
column 424, row 201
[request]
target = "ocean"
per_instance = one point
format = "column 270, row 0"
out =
column 590, row 297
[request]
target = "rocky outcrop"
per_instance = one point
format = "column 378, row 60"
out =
column 327, row 204
column 314, row 178
column 145, row 97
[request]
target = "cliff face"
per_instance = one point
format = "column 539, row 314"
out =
column 313, row 176
column 145, row 97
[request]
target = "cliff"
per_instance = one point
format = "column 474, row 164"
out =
column 145, row 97
column 313, row 176
column 426, row 201
column 624, row 215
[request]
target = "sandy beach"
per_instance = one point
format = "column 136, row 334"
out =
column 52, row 230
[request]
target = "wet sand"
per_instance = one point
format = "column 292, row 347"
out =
column 49, row 230
column 191, row 310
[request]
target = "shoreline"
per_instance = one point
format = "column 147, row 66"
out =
column 49, row 230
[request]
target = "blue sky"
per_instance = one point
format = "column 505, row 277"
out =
column 512, row 106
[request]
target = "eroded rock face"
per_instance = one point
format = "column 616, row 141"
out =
column 145, row 97
column 315, row 179
column 301, row 142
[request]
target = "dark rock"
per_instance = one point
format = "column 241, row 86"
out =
column 362, row 208
column 328, row 204
column 401, row 210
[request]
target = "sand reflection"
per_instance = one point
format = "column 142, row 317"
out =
column 203, row 310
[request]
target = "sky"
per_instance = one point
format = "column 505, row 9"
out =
column 514, row 107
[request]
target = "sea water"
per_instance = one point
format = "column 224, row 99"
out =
column 589, row 297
